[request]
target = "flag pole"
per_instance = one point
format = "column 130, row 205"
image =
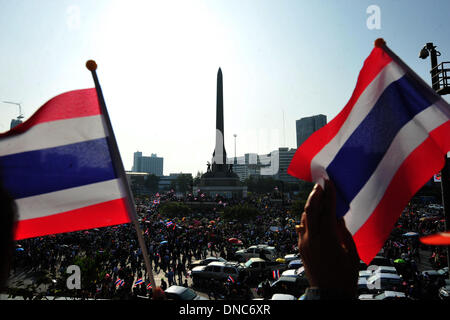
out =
column 118, row 165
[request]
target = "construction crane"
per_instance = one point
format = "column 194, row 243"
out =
column 20, row 108
column 15, row 122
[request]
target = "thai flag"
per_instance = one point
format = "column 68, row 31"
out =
column 138, row 282
column 276, row 274
column 59, row 168
column 149, row 286
column 119, row 283
column 230, row 279
column 387, row 142
column 168, row 224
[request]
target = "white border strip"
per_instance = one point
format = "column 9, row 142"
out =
column 68, row 199
column 412, row 135
column 54, row 134
column 390, row 73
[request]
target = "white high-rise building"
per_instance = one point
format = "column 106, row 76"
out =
column 152, row 164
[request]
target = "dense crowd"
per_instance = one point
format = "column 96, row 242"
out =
column 173, row 243
column 112, row 254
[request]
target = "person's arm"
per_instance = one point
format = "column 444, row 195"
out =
column 327, row 248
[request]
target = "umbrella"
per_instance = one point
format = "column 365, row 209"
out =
column 399, row 261
column 410, row 234
column 437, row 239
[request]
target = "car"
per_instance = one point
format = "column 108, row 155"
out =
column 380, row 261
column 362, row 286
column 215, row 270
column 179, row 293
column 292, row 256
column 256, row 251
column 386, row 295
column 283, row 296
column 365, row 274
column 433, row 275
column 300, row 272
column 444, row 293
column 295, row 264
column 295, row 286
column 257, row 267
column 379, row 282
column 206, row 261
column 385, row 269
column 444, row 272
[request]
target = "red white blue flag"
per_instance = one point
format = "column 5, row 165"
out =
column 138, row 282
column 119, row 283
column 276, row 274
column 387, row 142
column 58, row 167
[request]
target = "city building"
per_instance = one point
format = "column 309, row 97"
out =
column 273, row 164
column 307, row 126
column 152, row 164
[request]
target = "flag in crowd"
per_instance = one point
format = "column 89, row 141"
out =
column 119, row 283
column 59, row 168
column 138, row 282
column 230, row 279
column 149, row 286
column 386, row 143
column 276, row 274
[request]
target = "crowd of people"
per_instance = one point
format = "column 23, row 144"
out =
column 113, row 260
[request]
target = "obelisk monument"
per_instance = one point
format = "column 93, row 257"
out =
column 220, row 178
column 219, row 155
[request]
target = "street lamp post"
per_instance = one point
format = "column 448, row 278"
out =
column 438, row 76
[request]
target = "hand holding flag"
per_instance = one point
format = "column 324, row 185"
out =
column 387, row 142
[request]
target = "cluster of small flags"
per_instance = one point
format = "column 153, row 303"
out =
column 171, row 223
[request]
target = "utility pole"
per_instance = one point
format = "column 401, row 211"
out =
column 438, row 77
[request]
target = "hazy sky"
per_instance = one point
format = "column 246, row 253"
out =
column 158, row 61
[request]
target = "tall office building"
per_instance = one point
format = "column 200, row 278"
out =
column 306, row 126
column 152, row 164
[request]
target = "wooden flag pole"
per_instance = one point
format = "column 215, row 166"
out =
column 118, row 165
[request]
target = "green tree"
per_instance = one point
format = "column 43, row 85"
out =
column 174, row 209
column 240, row 212
column 152, row 183
column 184, row 182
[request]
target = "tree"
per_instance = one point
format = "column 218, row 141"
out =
column 183, row 182
column 174, row 209
column 152, row 183
column 240, row 212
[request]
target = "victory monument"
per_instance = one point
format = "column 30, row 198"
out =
column 219, row 178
